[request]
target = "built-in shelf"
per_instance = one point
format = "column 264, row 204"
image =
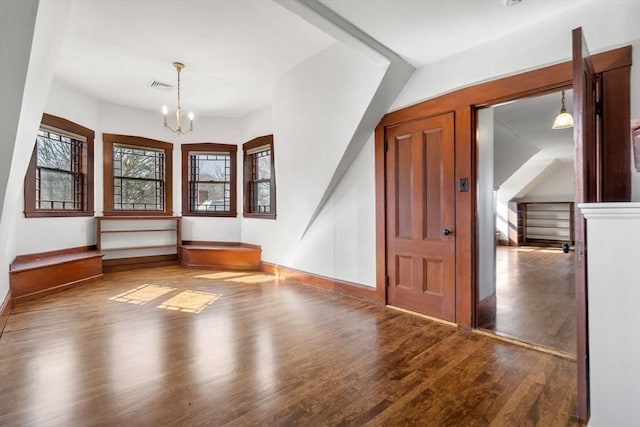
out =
column 542, row 223
column 138, row 231
column 135, row 248
column 156, row 242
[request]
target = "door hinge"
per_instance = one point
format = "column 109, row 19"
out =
column 599, row 108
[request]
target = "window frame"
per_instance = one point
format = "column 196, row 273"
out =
column 108, row 141
column 209, row 148
column 87, row 170
column 261, row 141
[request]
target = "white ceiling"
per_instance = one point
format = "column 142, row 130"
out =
column 235, row 50
column 531, row 118
column 424, row 31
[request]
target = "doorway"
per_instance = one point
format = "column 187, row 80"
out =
column 525, row 223
column 525, row 226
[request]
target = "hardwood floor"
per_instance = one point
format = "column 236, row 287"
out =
column 176, row 346
column 536, row 297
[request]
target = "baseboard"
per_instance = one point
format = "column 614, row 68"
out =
column 126, row 264
column 486, row 310
column 5, row 310
column 54, row 289
column 342, row 287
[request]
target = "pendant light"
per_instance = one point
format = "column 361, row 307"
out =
column 563, row 120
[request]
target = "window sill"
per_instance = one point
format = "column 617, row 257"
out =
column 137, row 213
column 259, row 215
column 57, row 214
column 211, row 214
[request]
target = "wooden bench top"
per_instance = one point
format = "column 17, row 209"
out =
column 32, row 262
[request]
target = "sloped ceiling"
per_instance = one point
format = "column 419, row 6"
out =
column 234, row 51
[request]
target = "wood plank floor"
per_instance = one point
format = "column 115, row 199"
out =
column 174, row 346
column 536, row 297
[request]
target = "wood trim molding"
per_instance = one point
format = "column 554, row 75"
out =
column 341, row 287
column 635, row 138
column 381, row 216
column 466, row 208
column 108, row 140
column 546, row 79
column 5, row 310
column 266, row 140
column 87, row 163
column 487, row 309
column 209, row 147
column 616, row 108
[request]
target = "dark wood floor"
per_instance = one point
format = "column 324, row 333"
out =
column 536, row 297
column 172, row 346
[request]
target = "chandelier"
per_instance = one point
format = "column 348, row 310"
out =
column 178, row 129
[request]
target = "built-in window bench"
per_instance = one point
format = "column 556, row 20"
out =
column 222, row 255
column 39, row 274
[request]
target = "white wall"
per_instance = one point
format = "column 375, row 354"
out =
column 258, row 123
column 48, row 234
column 613, row 231
column 511, row 151
column 317, row 107
column 486, row 208
column 17, row 22
column 23, row 34
column 555, row 187
column 635, row 113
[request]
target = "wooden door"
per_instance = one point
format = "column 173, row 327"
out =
column 420, row 216
column 585, row 190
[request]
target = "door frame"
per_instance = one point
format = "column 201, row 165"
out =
column 463, row 103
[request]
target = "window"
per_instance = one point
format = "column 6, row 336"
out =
column 259, row 178
column 59, row 179
column 137, row 176
column 208, row 179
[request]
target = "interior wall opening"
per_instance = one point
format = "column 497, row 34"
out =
column 526, row 287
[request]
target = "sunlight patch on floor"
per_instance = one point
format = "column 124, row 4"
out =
column 550, row 251
column 142, row 294
column 189, row 301
column 255, row 278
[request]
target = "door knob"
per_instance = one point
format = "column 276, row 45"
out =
column 447, row 232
